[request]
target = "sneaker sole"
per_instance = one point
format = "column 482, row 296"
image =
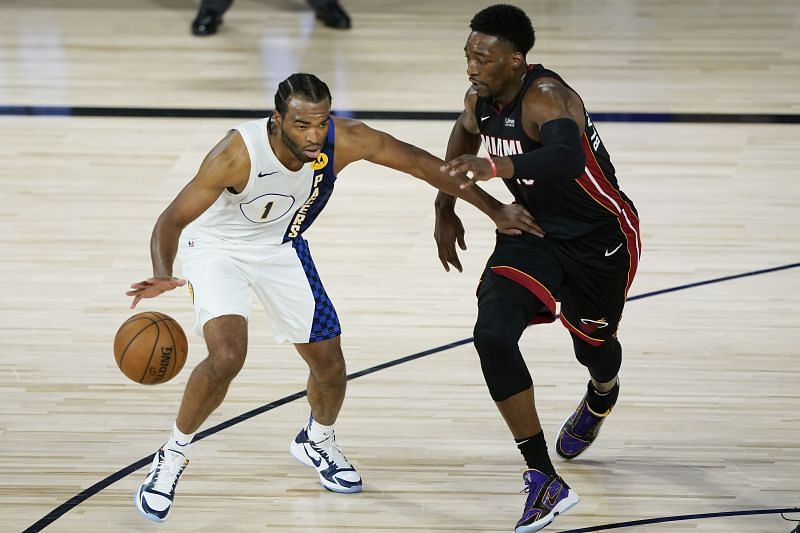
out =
column 299, row 454
column 561, row 507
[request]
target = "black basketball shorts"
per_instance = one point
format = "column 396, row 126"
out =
column 590, row 277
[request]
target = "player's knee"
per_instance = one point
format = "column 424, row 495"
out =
column 328, row 367
column 492, row 342
column 503, row 369
column 603, row 361
column 226, row 362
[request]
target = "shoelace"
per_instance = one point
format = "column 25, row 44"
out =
column 331, row 452
column 168, row 471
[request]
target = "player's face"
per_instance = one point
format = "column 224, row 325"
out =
column 491, row 63
column 304, row 127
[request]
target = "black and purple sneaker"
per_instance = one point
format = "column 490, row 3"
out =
column 548, row 497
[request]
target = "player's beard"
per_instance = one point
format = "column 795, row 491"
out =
column 297, row 151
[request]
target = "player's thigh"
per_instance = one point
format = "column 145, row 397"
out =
column 217, row 284
column 599, row 271
column 530, row 262
column 294, row 298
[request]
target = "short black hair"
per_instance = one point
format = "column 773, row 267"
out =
column 508, row 23
column 305, row 86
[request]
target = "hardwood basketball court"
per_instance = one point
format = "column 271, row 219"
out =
column 707, row 422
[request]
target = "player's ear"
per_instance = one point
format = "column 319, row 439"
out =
column 518, row 61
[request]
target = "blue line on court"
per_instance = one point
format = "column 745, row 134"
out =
column 84, row 495
column 679, row 518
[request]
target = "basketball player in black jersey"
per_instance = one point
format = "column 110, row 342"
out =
column 545, row 147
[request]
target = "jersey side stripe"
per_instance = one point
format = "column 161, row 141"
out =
column 610, row 198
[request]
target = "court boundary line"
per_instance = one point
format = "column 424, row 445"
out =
column 179, row 112
column 87, row 493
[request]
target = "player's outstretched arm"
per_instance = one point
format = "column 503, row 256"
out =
column 227, row 165
column 355, row 141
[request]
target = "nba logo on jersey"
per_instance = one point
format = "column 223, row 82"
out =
column 191, row 243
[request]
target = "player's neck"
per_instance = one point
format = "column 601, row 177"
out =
column 510, row 92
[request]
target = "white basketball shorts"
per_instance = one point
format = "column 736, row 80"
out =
column 284, row 278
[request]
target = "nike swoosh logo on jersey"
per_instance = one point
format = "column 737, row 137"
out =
column 262, row 174
column 486, row 117
column 612, row 252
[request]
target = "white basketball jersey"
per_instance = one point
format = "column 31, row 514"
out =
column 265, row 212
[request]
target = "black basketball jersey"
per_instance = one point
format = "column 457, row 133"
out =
column 564, row 208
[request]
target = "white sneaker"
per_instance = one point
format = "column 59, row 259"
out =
column 154, row 496
column 335, row 471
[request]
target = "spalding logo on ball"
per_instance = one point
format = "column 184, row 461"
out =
column 150, row 348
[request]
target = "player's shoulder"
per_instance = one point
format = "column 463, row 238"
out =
column 228, row 162
column 231, row 150
column 470, row 99
column 546, row 86
column 351, row 131
column 346, row 125
column 547, row 93
column 470, row 105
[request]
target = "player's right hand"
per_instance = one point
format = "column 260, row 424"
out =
column 447, row 232
column 152, row 287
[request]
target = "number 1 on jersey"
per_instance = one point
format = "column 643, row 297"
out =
column 267, row 209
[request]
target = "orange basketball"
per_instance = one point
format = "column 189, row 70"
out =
column 150, row 348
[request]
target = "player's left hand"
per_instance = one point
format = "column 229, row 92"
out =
column 475, row 168
column 513, row 219
column 448, row 231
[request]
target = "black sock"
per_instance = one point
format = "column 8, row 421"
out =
column 534, row 450
column 601, row 402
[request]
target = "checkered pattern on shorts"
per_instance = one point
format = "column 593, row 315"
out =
column 326, row 322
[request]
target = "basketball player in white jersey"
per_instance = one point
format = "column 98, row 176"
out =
column 237, row 227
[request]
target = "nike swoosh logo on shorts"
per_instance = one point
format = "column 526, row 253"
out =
column 612, row 252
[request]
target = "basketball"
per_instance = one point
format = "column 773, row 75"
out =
column 150, row 348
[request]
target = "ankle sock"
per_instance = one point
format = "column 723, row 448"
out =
column 179, row 441
column 534, row 450
column 318, row 432
column 602, row 402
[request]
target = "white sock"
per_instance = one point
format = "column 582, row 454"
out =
column 318, row 432
column 179, row 441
